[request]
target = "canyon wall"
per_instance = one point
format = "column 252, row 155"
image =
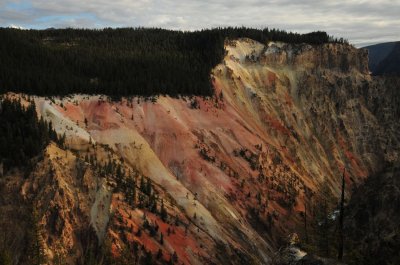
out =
column 236, row 169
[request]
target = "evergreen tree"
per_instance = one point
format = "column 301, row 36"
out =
column 142, row 184
column 174, row 257
column 148, row 187
column 124, row 61
column 126, row 257
column 36, row 254
column 163, row 212
column 131, row 191
column 159, row 254
column 22, row 135
column 147, row 259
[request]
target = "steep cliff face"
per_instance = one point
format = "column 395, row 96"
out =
column 235, row 169
column 373, row 221
column 327, row 106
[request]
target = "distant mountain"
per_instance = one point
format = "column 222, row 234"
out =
column 384, row 58
column 391, row 64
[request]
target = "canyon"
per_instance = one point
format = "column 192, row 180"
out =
column 234, row 173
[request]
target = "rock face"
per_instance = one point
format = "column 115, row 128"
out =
column 373, row 219
column 233, row 172
column 333, row 57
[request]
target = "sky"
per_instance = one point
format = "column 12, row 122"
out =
column 361, row 22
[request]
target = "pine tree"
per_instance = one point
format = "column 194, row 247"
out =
column 36, row 254
column 159, row 254
column 148, row 187
column 148, row 258
column 163, row 212
column 126, row 257
column 131, row 191
column 22, row 134
column 142, row 184
column 175, row 62
column 174, row 257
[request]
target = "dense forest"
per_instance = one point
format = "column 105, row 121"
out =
column 22, row 134
column 123, row 61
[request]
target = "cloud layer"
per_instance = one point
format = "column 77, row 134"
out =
column 361, row 22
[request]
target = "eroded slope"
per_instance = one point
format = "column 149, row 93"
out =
column 234, row 169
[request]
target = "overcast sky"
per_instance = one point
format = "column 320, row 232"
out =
column 361, row 22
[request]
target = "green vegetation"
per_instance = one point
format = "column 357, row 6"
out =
column 35, row 250
column 5, row 257
column 122, row 62
column 22, row 134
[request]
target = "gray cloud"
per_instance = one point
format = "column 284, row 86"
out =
column 361, row 22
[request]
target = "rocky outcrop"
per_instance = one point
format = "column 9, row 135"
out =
column 333, row 57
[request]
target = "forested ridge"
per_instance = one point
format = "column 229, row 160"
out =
column 123, row 61
column 22, row 134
